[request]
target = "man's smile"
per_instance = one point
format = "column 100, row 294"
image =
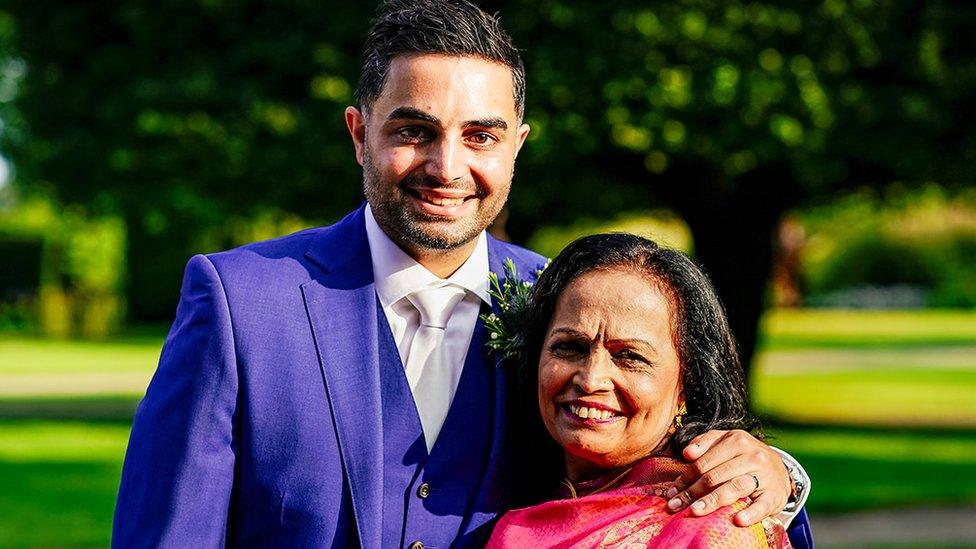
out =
column 442, row 202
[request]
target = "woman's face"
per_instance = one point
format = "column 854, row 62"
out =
column 609, row 375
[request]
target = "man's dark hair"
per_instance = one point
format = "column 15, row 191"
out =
column 711, row 375
column 450, row 27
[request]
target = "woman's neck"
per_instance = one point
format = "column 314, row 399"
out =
column 581, row 470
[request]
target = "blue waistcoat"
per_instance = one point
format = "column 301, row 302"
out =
column 425, row 497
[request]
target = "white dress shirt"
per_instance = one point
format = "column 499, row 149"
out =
column 396, row 275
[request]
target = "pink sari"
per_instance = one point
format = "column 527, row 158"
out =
column 631, row 514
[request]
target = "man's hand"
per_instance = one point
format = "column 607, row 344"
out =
column 727, row 466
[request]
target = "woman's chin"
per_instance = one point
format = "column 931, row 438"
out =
column 594, row 459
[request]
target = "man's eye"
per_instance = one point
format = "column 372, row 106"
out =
column 413, row 133
column 482, row 138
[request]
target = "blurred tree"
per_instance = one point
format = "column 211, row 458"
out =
column 182, row 113
column 733, row 112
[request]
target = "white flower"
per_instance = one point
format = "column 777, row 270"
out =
column 494, row 335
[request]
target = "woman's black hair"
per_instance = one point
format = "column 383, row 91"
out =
column 712, row 377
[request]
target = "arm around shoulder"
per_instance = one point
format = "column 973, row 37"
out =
column 179, row 465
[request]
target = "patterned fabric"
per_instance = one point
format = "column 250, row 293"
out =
column 631, row 514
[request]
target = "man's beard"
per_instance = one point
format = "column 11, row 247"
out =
column 389, row 203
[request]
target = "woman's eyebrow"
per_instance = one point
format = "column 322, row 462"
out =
column 570, row 331
column 632, row 342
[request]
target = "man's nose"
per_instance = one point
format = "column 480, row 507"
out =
column 448, row 160
column 593, row 375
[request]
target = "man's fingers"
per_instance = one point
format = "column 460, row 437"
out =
column 717, row 464
column 724, row 494
column 709, row 449
column 679, row 500
column 760, row 508
column 701, row 444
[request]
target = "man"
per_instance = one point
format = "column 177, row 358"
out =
column 331, row 388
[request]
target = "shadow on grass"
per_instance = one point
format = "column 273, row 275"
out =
column 859, row 468
column 57, row 504
column 114, row 409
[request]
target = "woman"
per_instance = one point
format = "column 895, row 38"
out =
column 635, row 359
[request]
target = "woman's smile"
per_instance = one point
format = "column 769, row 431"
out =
column 591, row 413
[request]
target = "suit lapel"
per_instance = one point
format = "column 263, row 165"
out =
column 341, row 307
column 498, row 474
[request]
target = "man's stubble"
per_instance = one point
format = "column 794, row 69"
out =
column 388, row 202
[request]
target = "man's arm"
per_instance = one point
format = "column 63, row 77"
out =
column 729, row 465
column 179, row 466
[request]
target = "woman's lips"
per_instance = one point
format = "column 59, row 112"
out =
column 590, row 414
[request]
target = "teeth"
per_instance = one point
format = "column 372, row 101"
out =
column 588, row 413
column 441, row 201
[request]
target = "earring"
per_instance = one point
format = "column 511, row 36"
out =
column 682, row 410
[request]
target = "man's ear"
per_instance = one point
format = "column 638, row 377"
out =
column 520, row 135
column 356, row 123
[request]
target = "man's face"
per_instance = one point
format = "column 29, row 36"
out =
column 438, row 148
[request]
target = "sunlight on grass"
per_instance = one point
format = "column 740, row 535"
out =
column 28, row 440
column 894, row 397
column 839, row 327
column 39, row 356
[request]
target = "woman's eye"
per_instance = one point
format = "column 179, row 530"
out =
column 567, row 348
column 631, row 356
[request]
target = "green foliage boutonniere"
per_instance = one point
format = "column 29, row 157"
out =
column 506, row 330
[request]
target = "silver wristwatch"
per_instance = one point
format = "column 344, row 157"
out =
column 798, row 484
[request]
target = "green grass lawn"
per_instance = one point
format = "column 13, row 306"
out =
column 58, row 481
column 65, row 409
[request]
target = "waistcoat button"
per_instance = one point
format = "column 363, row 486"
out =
column 423, row 491
column 416, row 545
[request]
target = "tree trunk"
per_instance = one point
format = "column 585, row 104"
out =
column 735, row 247
column 734, row 223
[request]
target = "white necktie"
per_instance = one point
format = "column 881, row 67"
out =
column 429, row 373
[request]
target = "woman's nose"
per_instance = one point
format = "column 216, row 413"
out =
column 593, row 375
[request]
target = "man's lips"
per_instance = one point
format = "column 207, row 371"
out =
column 440, row 202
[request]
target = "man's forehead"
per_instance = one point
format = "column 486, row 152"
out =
column 436, row 82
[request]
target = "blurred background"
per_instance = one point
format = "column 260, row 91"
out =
column 816, row 157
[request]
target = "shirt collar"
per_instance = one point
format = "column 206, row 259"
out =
column 396, row 274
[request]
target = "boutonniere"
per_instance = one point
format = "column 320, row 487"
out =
column 506, row 330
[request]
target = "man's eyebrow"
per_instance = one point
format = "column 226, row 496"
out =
column 486, row 123
column 412, row 113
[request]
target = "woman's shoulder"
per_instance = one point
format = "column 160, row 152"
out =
column 718, row 530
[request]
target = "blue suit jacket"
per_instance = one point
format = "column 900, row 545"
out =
column 262, row 424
